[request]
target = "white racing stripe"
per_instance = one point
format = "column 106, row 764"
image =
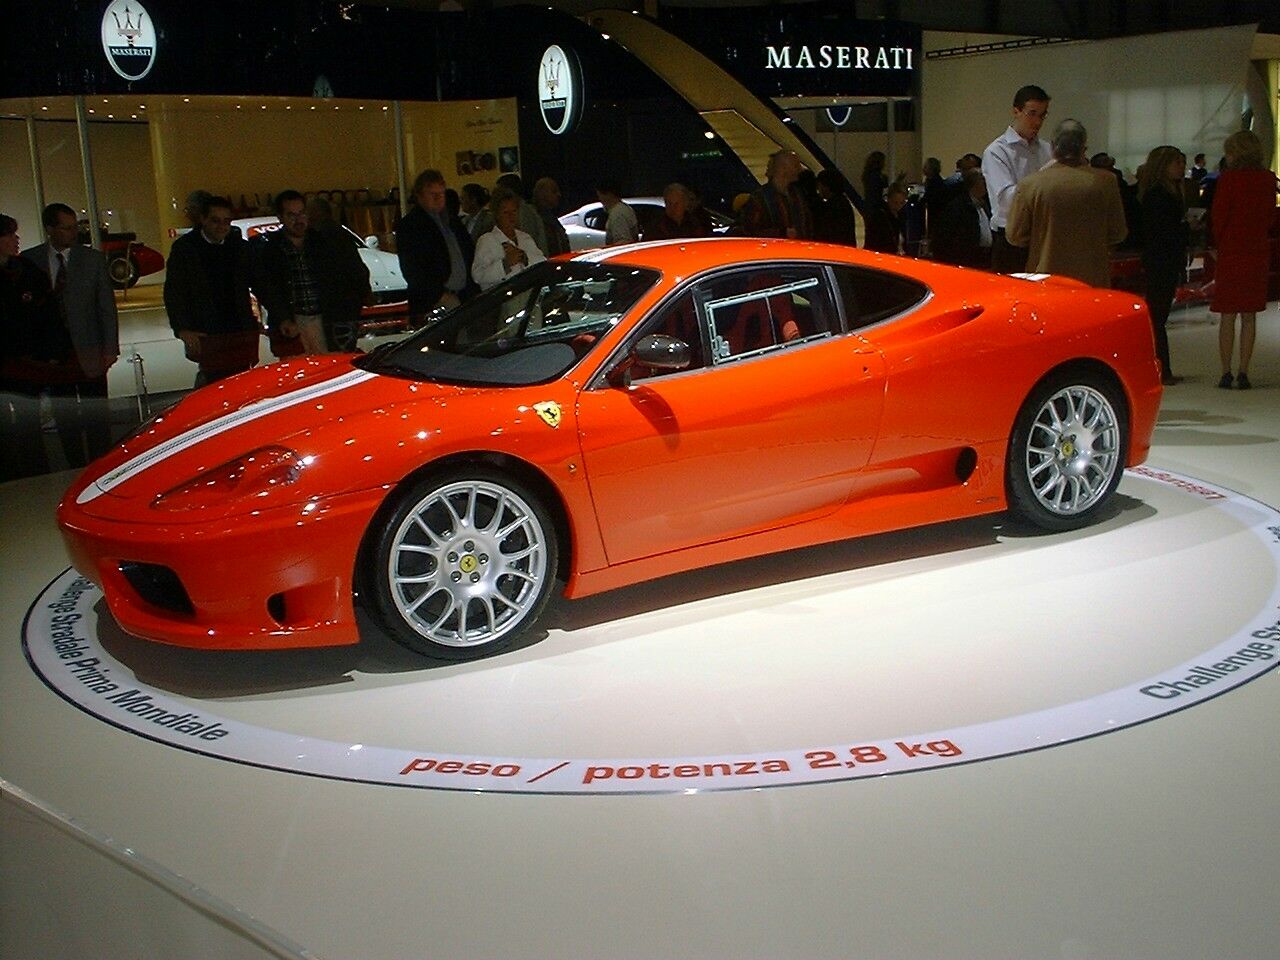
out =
column 229, row 421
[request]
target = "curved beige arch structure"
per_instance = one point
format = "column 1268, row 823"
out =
column 746, row 125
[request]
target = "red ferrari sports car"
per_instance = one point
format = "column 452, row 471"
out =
column 605, row 419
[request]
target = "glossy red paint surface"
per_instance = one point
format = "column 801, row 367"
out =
column 842, row 436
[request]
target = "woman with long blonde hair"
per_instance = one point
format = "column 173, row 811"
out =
column 1244, row 210
column 1165, row 234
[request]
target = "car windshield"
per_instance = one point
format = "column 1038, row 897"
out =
column 530, row 329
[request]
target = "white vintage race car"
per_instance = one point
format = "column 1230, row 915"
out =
column 585, row 226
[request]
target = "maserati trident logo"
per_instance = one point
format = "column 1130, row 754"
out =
column 130, row 30
column 559, row 90
column 552, row 64
column 129, row 39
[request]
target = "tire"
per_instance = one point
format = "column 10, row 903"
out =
column 123, row 271
column 462, row 564
column 1067, row 451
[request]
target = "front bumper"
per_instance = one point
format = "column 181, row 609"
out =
column 278, row 579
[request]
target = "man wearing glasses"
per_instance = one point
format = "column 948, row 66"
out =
column 311, row 283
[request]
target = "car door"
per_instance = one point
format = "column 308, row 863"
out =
column 768, row 426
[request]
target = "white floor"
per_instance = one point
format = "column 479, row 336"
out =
column 1157, row 840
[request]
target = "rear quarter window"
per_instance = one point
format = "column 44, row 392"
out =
column 869, row 296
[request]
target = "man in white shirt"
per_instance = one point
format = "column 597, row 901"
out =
column 1015, row 154
column 622, row 226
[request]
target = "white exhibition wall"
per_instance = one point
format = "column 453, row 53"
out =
column 124, row 176
column 1132, row 93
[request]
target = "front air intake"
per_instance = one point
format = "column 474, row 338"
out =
column 158, row 586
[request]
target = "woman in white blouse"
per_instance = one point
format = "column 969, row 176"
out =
column 504, row 251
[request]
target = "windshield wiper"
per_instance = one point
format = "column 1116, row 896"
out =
column 400, row 370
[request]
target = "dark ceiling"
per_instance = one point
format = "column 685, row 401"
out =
column 1077, row 19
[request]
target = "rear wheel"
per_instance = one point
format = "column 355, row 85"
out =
column 464, row 564
column 1066, row 454
column 123, row 271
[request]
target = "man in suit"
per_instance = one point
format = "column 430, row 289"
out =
column 87, row 308
column 435, row 250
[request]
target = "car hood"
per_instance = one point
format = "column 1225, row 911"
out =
column 316, row 409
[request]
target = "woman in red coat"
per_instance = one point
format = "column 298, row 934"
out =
column 1244, row 210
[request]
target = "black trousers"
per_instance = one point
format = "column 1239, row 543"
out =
column 1006, row 258
column 1160, row 290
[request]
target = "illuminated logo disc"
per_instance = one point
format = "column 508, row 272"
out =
column 129, row 39
column 559, row 90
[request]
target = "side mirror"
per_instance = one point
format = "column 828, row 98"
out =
column 662, row 352
column 371, row 242
column 657, row 351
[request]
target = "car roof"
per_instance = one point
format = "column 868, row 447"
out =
column 690, row 256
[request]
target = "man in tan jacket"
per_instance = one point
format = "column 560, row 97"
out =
column 1069, row 215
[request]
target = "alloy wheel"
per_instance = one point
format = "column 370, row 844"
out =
column 467, row 563
column 1073, row 450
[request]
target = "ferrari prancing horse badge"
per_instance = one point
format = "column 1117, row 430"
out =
column 549, row 411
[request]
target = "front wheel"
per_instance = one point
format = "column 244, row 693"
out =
column 464, row 564
column 1066, row 454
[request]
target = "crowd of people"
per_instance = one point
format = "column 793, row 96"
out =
column 1027, row 203
column 452, row 245
column 1043, row 205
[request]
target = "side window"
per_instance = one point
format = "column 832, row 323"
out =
column 678, row 319
column 870, row 296
column 595, row 219
column 749, row 311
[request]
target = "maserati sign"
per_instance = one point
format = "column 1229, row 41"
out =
column 559, row 90
column 837, row 56
column 804, row 50
column 129, row 39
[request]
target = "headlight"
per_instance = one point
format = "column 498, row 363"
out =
column 255, row 474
